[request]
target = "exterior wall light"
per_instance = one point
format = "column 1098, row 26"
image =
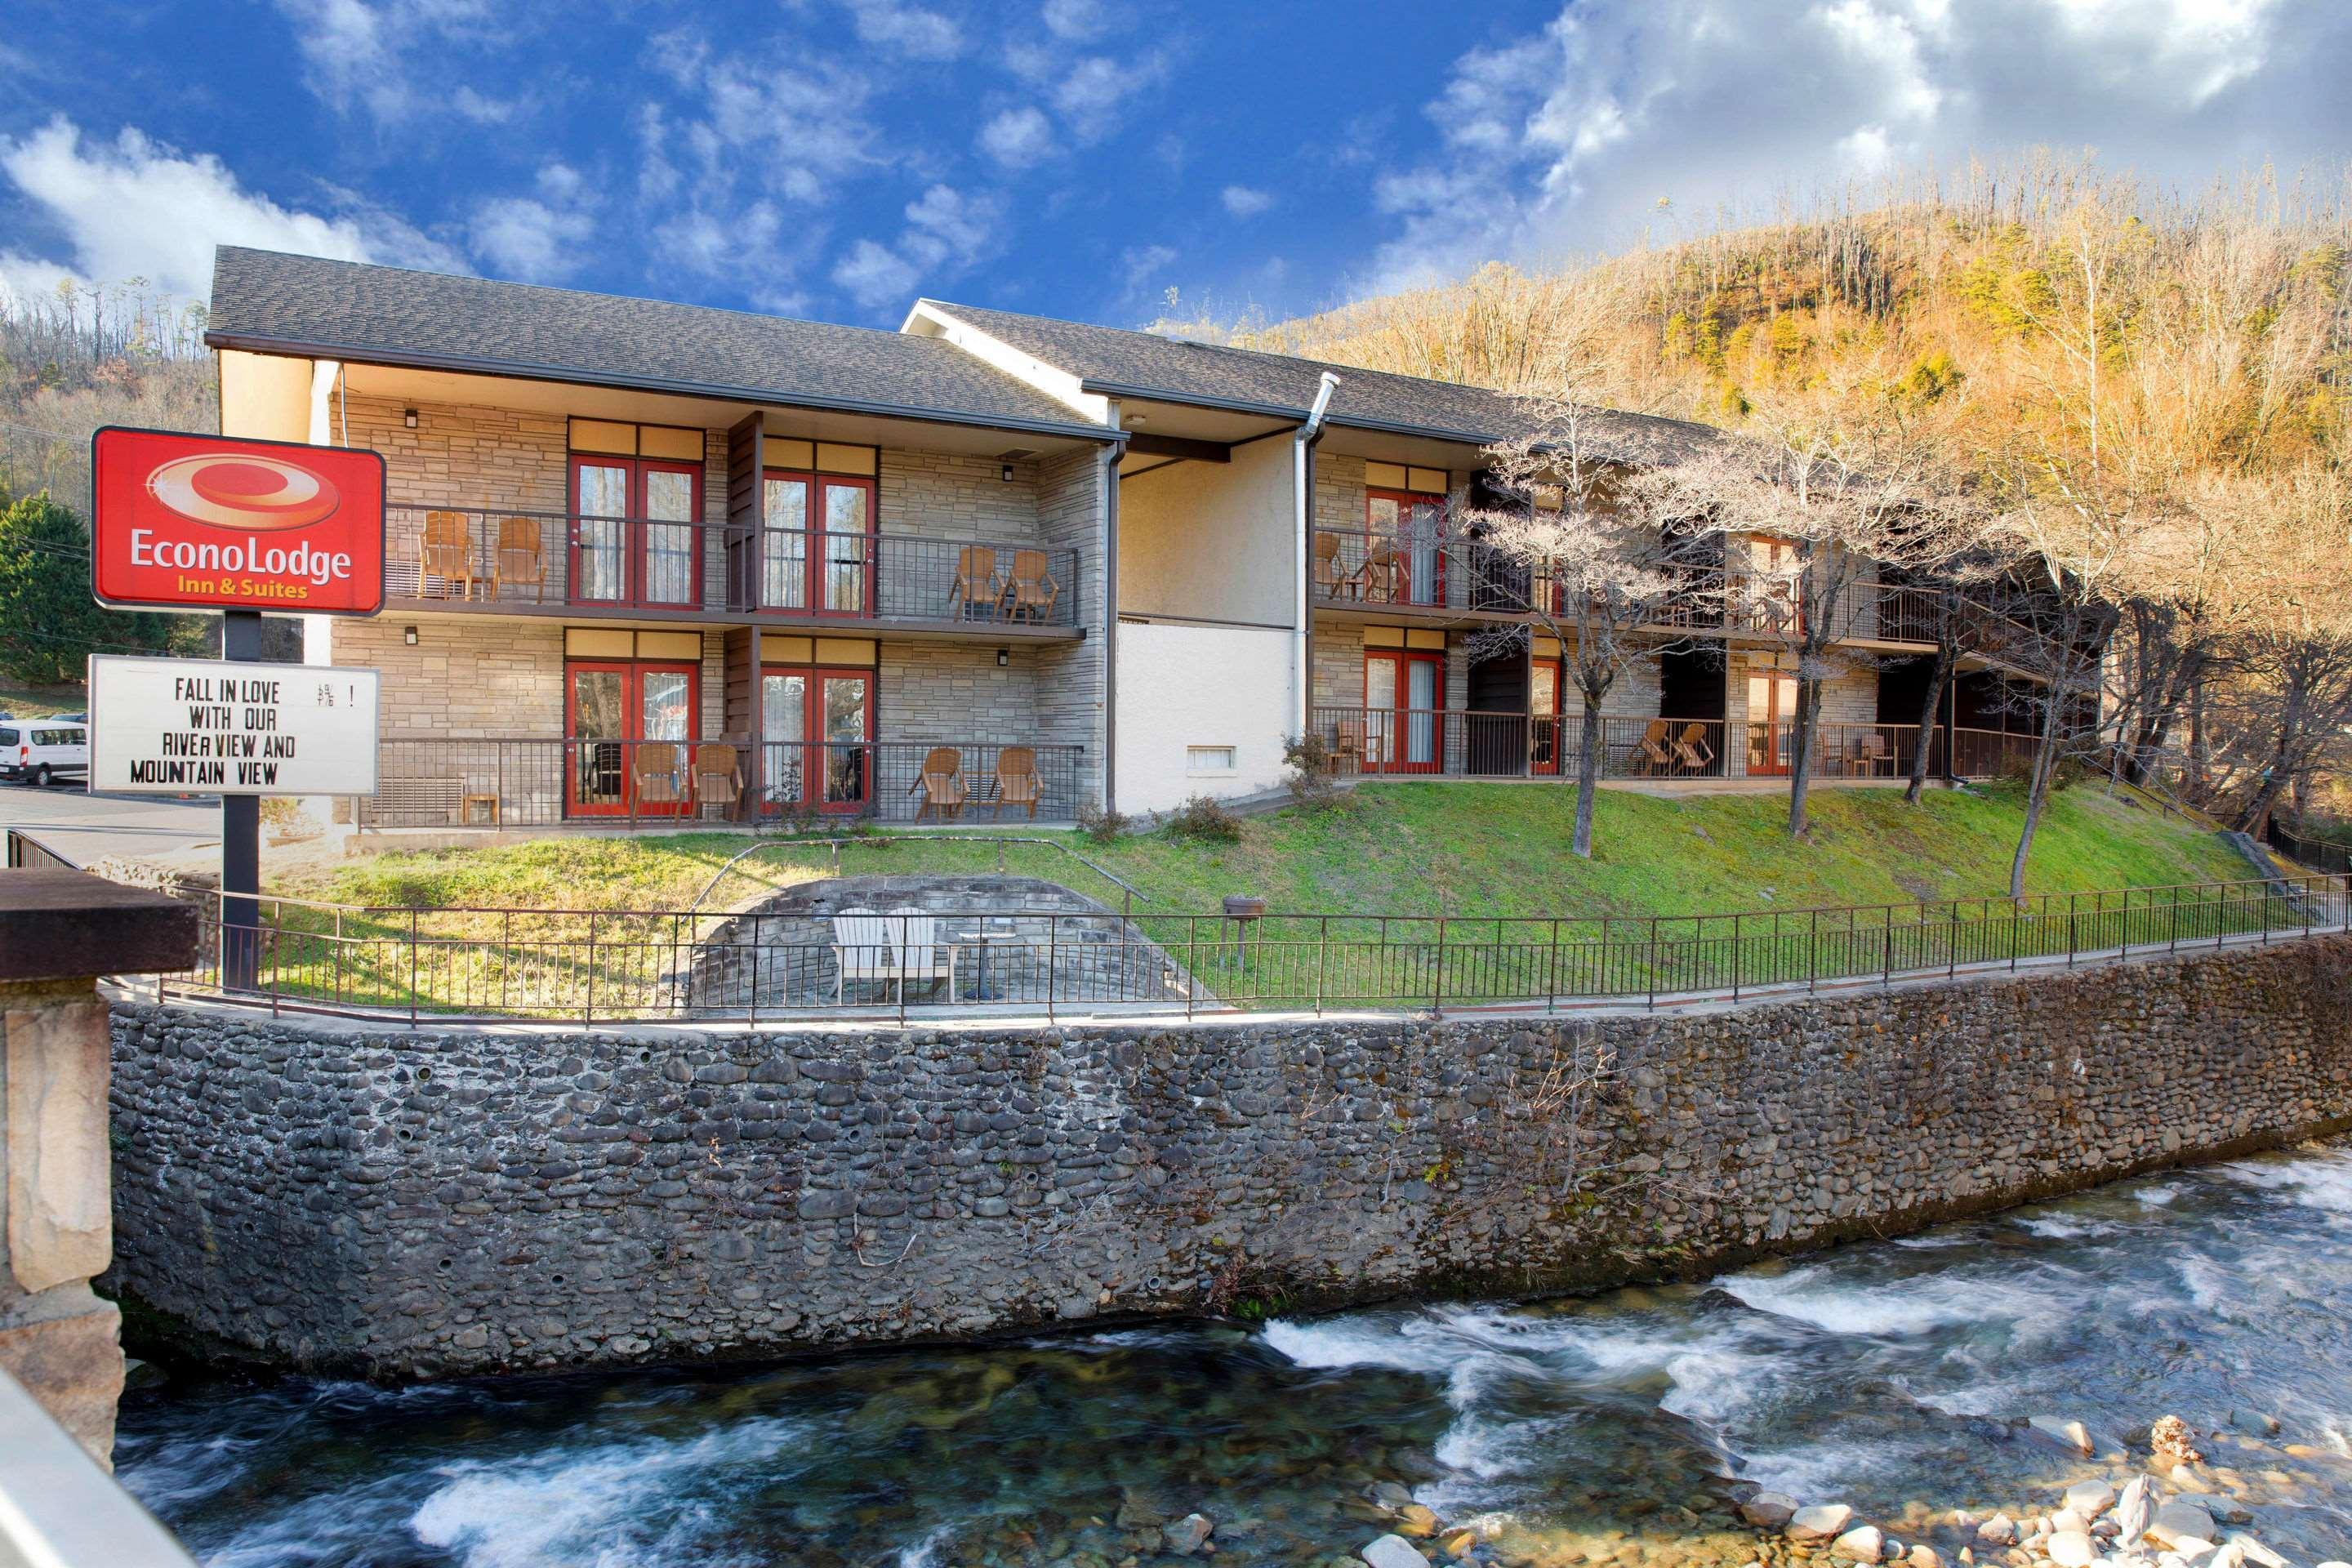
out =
column 1003, row 656
column 1005, row 473
column 408, row 418
column 408, row 635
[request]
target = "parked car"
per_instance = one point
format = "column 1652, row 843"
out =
column 44, row 750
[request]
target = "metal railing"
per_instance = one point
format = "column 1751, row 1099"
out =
column 1455, row 743
column 537, row 782
column 585, row 562
column 59, row 1509
column 1438, row 568
column 592, row 966
column 27, row 853
column 2318, row 854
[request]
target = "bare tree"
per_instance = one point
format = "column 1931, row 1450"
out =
column 1852, row 497
column 1595, row 552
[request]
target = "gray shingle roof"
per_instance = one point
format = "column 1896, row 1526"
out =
column 1113, row 361
column 388, row 315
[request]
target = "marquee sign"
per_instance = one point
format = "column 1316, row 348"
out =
column 217, row 522
column 189, row 726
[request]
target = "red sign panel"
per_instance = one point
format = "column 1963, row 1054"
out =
column 216, row 522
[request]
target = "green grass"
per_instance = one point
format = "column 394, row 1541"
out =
column 1426, row 849
column 40, row 701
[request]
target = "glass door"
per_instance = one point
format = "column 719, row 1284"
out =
column 672, row 572
column 1771, row 722
column 1404, row 565
column 597, row 700
column 1380, row 710
column 1423, row 724
column 1403, row 732
column 783, row 547
column 600, row 505
column 847, row 559
column 1543, row 716
column 817, row 733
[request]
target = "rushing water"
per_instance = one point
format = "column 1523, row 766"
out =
column 1884, row 1376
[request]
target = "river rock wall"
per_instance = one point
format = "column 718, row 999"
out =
column 402, row 1203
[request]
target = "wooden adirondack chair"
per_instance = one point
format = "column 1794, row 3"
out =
column 1654, row 754
column 519, row 558
column 446, row 552
column 901, row 945
column 977, row 581
column 941, row 784
column 1017, row 783
column 1030, row 592
column 1692, row 752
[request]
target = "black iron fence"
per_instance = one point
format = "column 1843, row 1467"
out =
column 585, row 562
column 590, row 966
column 2317, row 854
column 536, row 782
column 27, row 853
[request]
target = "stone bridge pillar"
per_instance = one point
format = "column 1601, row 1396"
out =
column 59, row 931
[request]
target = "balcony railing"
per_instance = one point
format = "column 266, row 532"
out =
column 587, row 563
column 1436, row 569
column 531, row 782
column 1468, row 743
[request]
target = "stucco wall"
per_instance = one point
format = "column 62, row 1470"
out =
column 406, row 1202
column 1212, row 540
column 1184, row 686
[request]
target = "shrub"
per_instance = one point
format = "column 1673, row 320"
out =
column 1205, row 820
column 1309, row 779
column 1102, row 827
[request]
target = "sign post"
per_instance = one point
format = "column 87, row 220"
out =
column 216, row 522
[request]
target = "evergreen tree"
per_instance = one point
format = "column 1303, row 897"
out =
column 49, row 624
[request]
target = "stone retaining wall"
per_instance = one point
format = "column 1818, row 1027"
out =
column 403, row 1203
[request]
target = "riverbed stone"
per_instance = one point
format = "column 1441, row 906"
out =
column 2088, row 1499
column 2072, row 1549
column 2060, row 1432
column 1822, row 1521
column 1187, row 1535
column 425, row 1201
column 1392, row 1552
column 1864, row 1543
column 1999, row 1530
column 2182, row 1519
column 1768, row 1511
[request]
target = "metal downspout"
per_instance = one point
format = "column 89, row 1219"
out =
column 1302, row 468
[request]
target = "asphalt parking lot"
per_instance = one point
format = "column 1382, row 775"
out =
column 82, row 826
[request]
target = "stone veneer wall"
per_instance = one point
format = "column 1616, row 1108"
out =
column 407, row 1202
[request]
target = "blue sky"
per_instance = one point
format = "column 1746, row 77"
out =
column 835, row 158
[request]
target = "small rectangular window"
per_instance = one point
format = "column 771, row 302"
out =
column 1208, row 758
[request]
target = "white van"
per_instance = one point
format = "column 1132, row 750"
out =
column 41, row 750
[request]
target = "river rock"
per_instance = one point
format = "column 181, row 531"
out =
column 2000, row 1529
column 1392, row 1552
column 1768, row 1511
column 1925, row 1556
column 1389, row 1495
column 1824, row 1521
column 1459, row 1543
column 1417, row 1520
column 2061, row 1433
column 2090, row 1498
column 2254, row 1421
column 1861, row 1545
column 2252, row 1551
column 2068, row 1519
column 2072, row 1549
column 1188, row 1534
column 2181, row 1519
column 2134, row 1510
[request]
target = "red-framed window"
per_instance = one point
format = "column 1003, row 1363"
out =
column 1772, row 720
column 816, row 548
column 1544, row 740
column 817, row 731
column 1404, row 719
column 612, row 709
column 1405, row 560
column 634, row 535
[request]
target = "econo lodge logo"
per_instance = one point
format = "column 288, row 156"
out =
column 213, row 522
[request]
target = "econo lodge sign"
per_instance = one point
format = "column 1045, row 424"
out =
column 216, row 522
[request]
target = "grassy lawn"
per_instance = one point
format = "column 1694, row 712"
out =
column 1426, row 849
column 40, row 701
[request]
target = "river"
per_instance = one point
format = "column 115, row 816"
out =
column 1894, row 1376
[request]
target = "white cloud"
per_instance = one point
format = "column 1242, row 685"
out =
column 138, row 208
column 1088, row 92
column 1073, row 18
column 1018, row 138
column 1567, row 137
column 1242, row 201
column 874, row 276
column 535, row 238
column 908, row 30
column 1143, row 262
column 357, row 51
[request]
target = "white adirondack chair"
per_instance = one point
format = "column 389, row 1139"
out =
column 901, row 945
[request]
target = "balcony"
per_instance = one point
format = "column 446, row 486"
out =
column 1465, row 744
column 584, row 564
column 517, row 781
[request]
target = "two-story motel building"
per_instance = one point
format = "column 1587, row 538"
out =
column 648, row 560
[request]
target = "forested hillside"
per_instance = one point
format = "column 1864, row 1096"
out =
column 2148, row 395
column 112, row 354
